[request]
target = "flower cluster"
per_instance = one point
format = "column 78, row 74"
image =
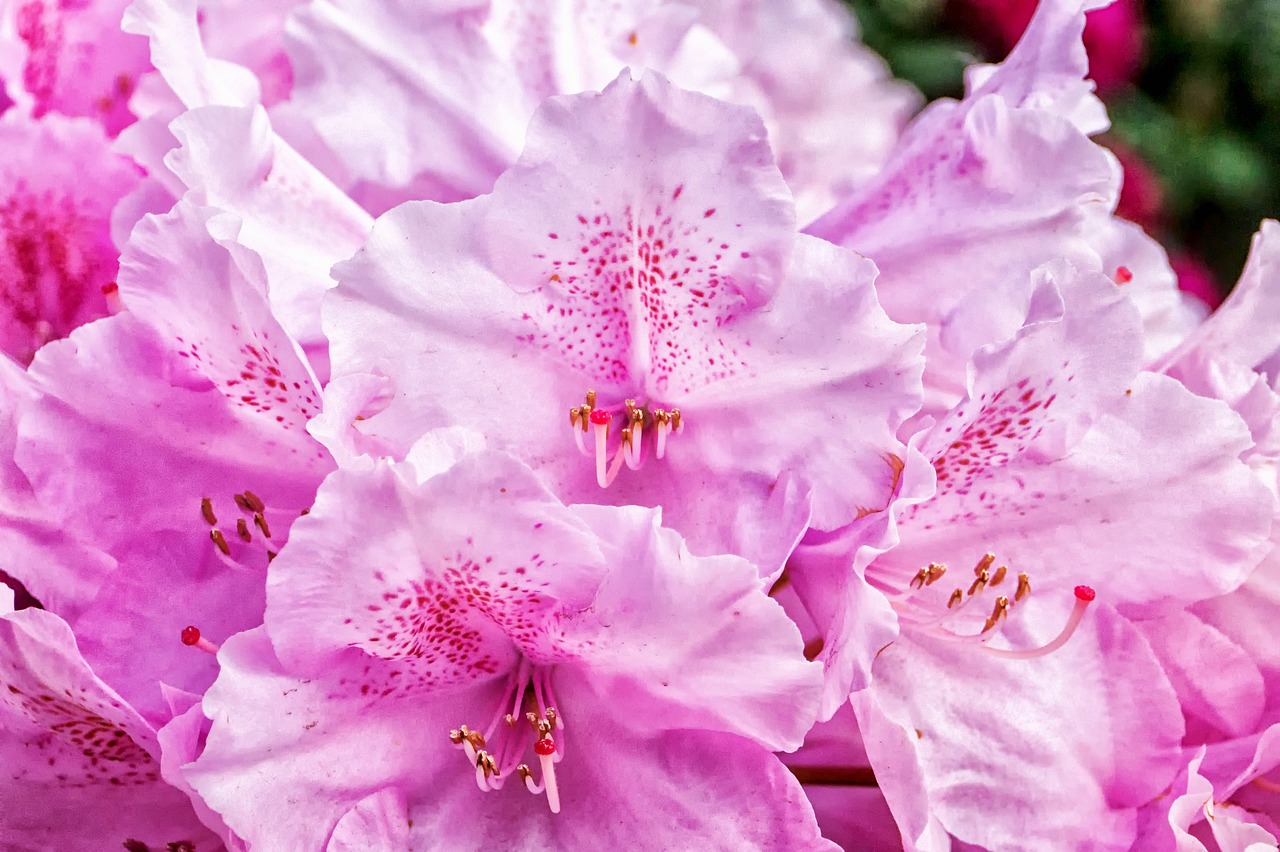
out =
column 593, row 425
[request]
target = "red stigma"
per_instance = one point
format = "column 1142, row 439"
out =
column 1084, row 593
column 1123, row 275
column 600, row 417
column 190, row 635
column 544, row 748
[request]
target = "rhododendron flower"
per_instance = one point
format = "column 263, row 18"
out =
column 1046, row 490
column 57, row 259
column 72, row 58
column 197, row 423
column 506, row 671
column 80, row 766
column 660, row 332
column 432, row 100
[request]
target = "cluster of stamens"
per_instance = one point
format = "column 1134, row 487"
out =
column 497, row 753
column 591, row 426
column 915, row 613
column 254, row 512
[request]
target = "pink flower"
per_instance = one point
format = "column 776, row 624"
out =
column 57, row 259
column 1064, row 475
column 450, row 637
column 442, row 93
column 81, row 767
column 662, row 320
column 172, row 438
column 74, row 60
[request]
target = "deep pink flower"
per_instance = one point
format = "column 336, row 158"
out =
column 75, row 59
column 432, row 101
column 1197, row 279
column 57, row 260
column 432, row 628
column 714, row 350
column 80, row 767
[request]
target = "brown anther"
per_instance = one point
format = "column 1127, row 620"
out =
column 523, row 771
column 475, row 738
column 510, row 720
column 485, row 761
column 455, row 737
column 934, row 572
column 255, row 504
column 532, row 718
column 921, row 577
column 261, row 521
column 550, row 714
column 999, row 577
column 591, row 399
column 584, row 417
column 660, row 415
column 544, row 729
column 242, row 530
column 243, row 503
column 980, row 583
column 955, row 598
column 637, row 416
column 1024, row 587
column 625, row 437
column 220, row 541
column 675, row 418
column 1000, row 610
column 271, row 555
column 984, row 565
column 574, row 414
column 206, row 509
column 631, row 406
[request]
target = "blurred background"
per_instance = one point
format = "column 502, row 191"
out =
column 1193, row 89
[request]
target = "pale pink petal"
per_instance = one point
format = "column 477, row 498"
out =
column 79, row 764
column 1048, row 753
column 687, row 623
column 448, row 592
column 1218, row 684
column 378, row 821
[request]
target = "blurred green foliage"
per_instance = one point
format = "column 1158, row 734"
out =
column 1204, row 111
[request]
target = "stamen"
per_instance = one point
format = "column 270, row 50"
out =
column 220, row 541
column 255, row 504
column 206, row 510
column 261, row 521
column 984, row 565
column 191, row 636
column 1084, row 597
column 999, row 577
column 1001, row 610
column 242, row 530
column 956, row 597
column 1024, row 588
column 980, row 583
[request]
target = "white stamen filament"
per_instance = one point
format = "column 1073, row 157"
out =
column 633, row 447
column 601, row 432
column 663, row 426
column 1084, row 597
column 549, row 781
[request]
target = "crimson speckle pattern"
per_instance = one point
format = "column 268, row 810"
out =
column 1004, row 426
column 55, row 258
column 465, row 622
column 81, row 747
column 635, row 292
column 254, row 378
